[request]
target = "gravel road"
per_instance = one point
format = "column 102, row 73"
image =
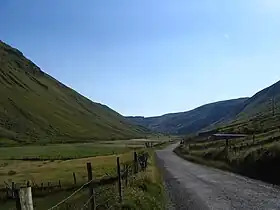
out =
column 192, row 186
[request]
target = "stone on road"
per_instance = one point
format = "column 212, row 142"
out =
column 193, row 186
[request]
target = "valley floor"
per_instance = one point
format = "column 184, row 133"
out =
column 55, row 164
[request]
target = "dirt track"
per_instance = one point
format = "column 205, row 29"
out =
column 192, row 186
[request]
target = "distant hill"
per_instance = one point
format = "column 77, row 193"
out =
column 242, row 115
column 35, row 107
column 194, row 120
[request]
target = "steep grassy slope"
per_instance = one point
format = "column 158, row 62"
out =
column 261, row 103
column 258, row 116
column 194, row 120
column 34, row 107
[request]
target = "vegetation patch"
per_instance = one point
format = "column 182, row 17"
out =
column 258, row 162
column 146, row 189
column 59, row 151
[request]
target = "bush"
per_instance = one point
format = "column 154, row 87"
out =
column 11, row 173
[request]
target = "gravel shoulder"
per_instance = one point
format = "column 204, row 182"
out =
column 193, row 186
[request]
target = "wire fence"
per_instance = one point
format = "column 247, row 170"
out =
column 104, row 193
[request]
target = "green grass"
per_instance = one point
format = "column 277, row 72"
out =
column 58, row 162
column 145, row 190
column 39, row 109
column 258, row 159
column 60, row 151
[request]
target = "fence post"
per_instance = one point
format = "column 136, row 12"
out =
column 74, row 178
column 135, row 163
column 59, row 184
column 7, row 192
column 90, row 186
column 25, row 195
column 119, row 179
column 126, row 175
column 18, row 206
column 227, row 149
column 13, row 190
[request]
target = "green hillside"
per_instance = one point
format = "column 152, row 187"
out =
column 261, row 103
column 34, row 107
column 194, row 120
column 261, row 113
column 258, row 114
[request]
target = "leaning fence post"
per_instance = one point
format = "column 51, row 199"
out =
column 25, row 195
column 135, row 163
column 74, row 178
column 90, row 186
column 119, row 179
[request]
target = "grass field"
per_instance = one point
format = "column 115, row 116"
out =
column 52, row 163
column 60, row 151
column 144, row 191
column 71, row 159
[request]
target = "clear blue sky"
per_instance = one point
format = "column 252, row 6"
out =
column 150, row 57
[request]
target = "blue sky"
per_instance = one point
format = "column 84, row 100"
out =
column 150, row 57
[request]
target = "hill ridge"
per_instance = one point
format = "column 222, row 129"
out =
column 209, row 116
column 38, row 108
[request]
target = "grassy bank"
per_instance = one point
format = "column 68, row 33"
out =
column 260, row 162
column 146, row 189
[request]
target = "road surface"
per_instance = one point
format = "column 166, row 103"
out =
column 195, row 187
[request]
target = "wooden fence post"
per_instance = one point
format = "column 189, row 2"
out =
column 18, row 206
column 25, row 195
column 226, row 149
column 126, row 175
column 13, row 190
column 135, row 163
column 74, row 178
column 59, row 184
column 7, row 192
column 90, row 186
column 119, row 179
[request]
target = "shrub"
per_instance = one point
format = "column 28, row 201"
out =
column 11, row 173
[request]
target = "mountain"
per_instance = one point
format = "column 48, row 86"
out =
column 194, row 120
column 261, row 103
column 35, row 107
column 243, row 115
column 261, row 113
